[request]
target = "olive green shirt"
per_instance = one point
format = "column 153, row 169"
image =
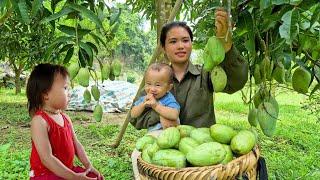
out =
column 194, row 93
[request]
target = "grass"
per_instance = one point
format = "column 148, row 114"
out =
column 292, row 153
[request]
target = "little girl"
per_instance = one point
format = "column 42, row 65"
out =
column 54, row 142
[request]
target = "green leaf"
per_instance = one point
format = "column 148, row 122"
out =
column 280, row 2
column 115, row 28
column 98, row 39
column 36, row 4
column 57, row 15
column 290, row 27
column 315, row 16
column 317, row 72
column 250, row 44
column 296, row 2
column 89, row 52
column 93, row 46
column 244, row 24
column 63, row 39
column 82, row 57
column 264, row 4
column 49, row 50
column 4, row 4
column 317, row 87
column 68, row 56
column 23, row 9
column 56, row 43
column 72, row 32
column 66, row 47
column 54, row 4
column 86, row 13
column 306, row 5
column 115, row 17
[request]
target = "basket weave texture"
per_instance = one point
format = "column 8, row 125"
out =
column 244, row 165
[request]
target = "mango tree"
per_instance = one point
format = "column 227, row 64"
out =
column 23, row 44
column 280, row 40
column 70, row 19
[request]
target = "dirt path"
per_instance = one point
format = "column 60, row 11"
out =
column 84, row 117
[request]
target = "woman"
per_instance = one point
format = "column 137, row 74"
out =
column 192, row 86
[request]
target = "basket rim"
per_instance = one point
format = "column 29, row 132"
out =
column 255, row 152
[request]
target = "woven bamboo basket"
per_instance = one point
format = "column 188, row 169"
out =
column 244, row 166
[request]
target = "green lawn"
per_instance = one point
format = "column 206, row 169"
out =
column 293, row 153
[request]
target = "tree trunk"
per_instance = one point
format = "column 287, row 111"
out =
column 17, row 68
column 164, row 8
column 17, row 83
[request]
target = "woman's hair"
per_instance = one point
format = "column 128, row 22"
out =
column 167, row 27
column 159, row 66
column 40, row 82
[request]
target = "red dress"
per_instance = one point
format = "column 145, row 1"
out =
column 62, row 146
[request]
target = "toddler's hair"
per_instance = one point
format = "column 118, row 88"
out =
column 40, row 82
column 159, row 66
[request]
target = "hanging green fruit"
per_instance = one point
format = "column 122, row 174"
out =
column 73, row 70
column 253, row 117
column 105, row 71
column 214, row 53
column 301, row 79
column 116, row 67
column 267, row 117
column 95, row 92
column 266, row 68
column 98, row 112
column 87, row 96
column 256, row 74
column 279, row 73
column 83, row 77
column 218, row 79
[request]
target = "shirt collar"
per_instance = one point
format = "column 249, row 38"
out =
column 193, row 69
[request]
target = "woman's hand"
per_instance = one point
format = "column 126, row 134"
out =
column 222, row 28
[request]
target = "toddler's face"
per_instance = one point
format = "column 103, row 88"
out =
column 58, row 95
column 157, row 83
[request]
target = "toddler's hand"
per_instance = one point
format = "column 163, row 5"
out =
column 150, row 101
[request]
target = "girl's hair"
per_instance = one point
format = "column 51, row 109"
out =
column 167, row 27
column 40, row 82
column 159, row 66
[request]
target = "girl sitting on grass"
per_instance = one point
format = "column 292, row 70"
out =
column 54, row 142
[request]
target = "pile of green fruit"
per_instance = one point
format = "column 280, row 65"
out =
column 187, row 146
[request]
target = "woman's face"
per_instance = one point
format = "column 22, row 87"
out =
column 178, row 45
